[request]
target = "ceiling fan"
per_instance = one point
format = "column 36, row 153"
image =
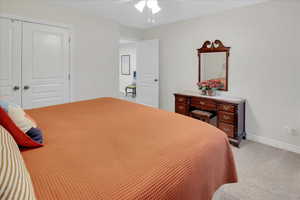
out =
column 150, row 4
column 153, row 5
column 150, row 8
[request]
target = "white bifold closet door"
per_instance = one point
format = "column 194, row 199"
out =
column 10, row 60
column 45, row 65
column 34, row 64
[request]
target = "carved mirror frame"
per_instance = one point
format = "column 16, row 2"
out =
column 213, row 47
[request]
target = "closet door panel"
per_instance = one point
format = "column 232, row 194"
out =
column 45, row 65
column 10, row 60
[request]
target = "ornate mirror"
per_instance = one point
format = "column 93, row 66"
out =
column 213, row 63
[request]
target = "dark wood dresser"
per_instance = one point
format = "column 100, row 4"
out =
column 230, row 112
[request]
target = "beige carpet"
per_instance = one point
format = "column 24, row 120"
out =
column 265, row 173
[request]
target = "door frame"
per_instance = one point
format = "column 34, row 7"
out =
column 68, row 27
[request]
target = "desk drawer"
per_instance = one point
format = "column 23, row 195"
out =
column 181, row 108
column 226, row 117
column 226, row 107
column 227, row 128
column 204, row 104
column 181, row 99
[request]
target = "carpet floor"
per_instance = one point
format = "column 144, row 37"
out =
column 265, row 173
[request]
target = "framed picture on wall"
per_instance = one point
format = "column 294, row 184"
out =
column 125, row 64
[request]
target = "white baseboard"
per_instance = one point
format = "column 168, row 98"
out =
column 274, row 143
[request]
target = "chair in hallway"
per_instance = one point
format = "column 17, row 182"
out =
column 131, row 89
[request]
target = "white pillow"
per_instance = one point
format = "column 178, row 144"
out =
column 17, row 114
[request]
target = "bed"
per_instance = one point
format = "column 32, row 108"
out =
column 112, row 149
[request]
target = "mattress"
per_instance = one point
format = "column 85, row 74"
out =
column 112, row 149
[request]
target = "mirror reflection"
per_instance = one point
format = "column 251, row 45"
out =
column 213, row 67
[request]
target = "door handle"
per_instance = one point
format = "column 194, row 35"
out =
column 16, row 88
column 156, row 80
column 26, row 87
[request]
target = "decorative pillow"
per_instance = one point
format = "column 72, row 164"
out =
column 17, row 114
column 32, row 120
column 20, row 137
column 15, row 180
column 35, row 134
column 22, row 120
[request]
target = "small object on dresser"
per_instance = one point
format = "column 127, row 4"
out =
column 209, row 87
column 211, row 92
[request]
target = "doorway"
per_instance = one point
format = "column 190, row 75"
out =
column 139, row 72
column 127, row 71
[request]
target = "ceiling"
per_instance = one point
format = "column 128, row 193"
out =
column 124, row 12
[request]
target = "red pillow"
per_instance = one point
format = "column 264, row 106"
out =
column 20, row 137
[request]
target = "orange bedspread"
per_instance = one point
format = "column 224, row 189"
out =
column 111, row 149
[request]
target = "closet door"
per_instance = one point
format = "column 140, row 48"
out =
column 10, row 60
column 45, row 66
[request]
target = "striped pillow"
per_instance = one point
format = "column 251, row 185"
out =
column 15, row 181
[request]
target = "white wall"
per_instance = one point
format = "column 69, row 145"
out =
column 96, row 45
column 264, row 63
column 127, row 49
column 130, row 34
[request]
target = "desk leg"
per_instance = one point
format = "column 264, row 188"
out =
column 245, row 136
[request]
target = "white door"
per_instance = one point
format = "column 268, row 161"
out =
column 10, row 60
column 148, row 73
column 45, row 66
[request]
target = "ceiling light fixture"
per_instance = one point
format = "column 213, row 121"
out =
column 151, row 4
column 140, row 5
column 155, row 10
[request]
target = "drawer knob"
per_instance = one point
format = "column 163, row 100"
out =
column 181, row 107
column 202, row 103
column 226, row 117
column 226, row 107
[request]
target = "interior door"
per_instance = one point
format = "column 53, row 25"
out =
column 10, row 60
column 45, row 66
column 148, row 73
